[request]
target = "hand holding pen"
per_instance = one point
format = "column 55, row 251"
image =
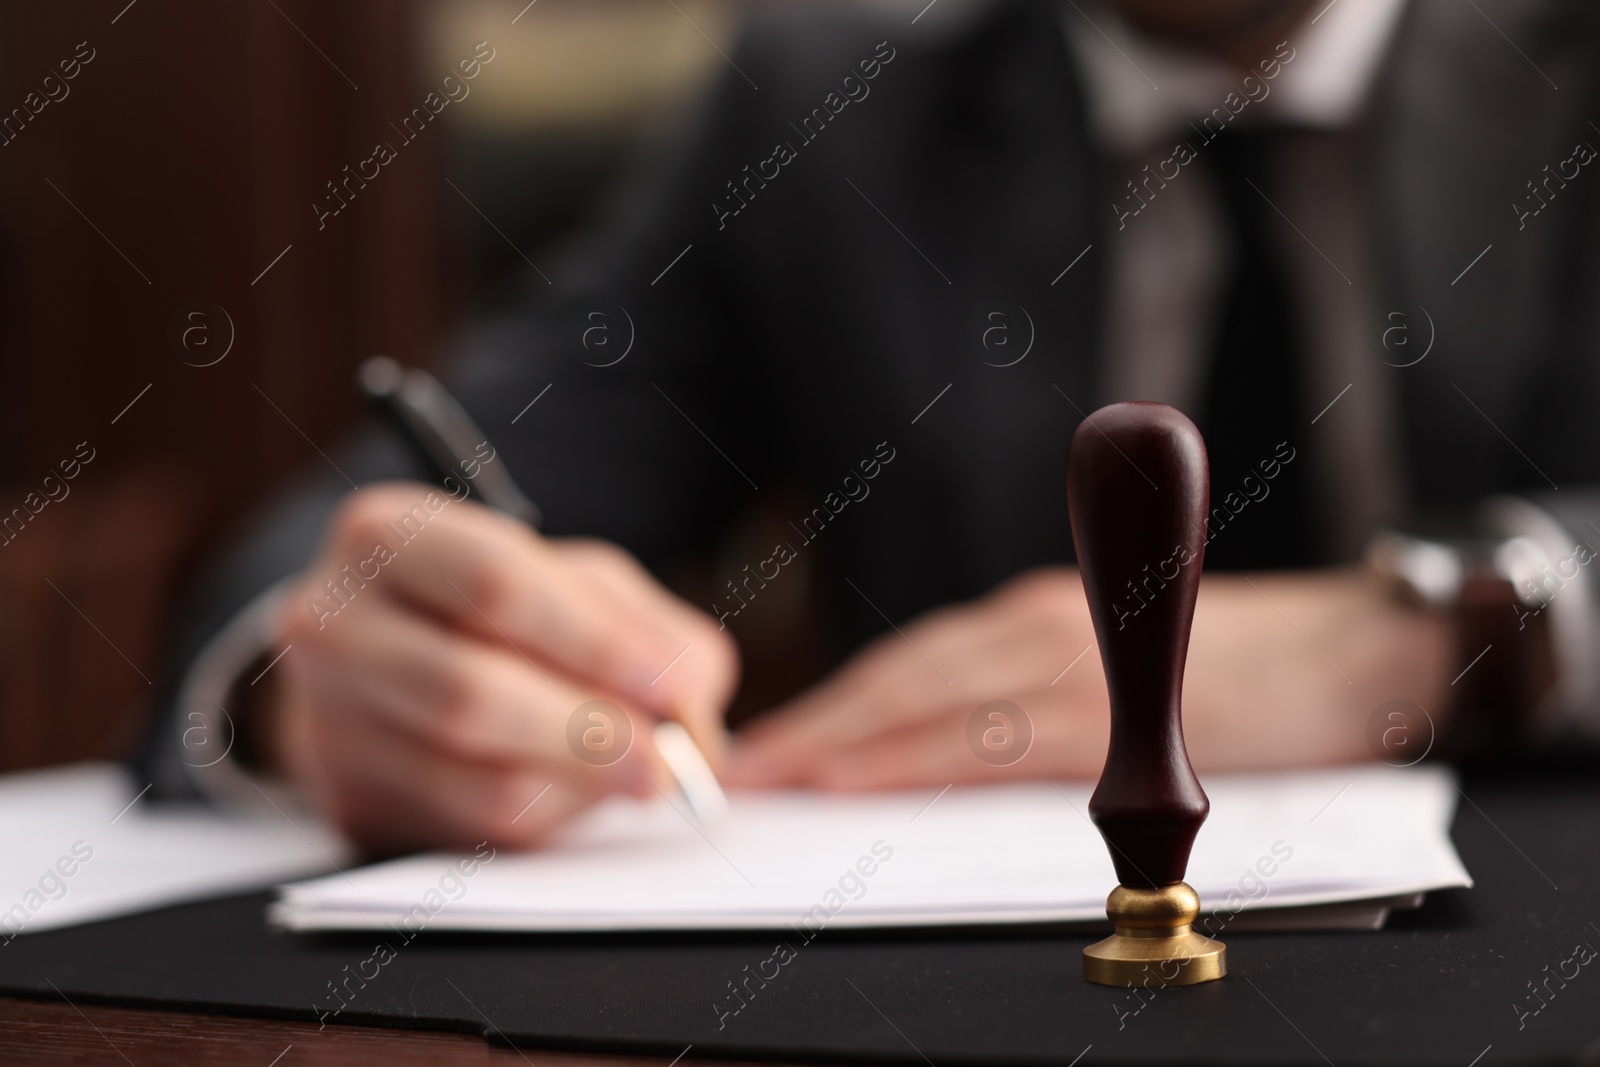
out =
column 443, row 648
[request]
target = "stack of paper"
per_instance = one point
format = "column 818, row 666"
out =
column 997, row 854
column 83, row 843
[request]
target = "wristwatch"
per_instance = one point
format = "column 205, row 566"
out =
column 1494, row 590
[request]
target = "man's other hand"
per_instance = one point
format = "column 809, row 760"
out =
column 1283, row 670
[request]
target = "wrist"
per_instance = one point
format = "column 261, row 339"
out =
column 254, row 701
column 1474, row 581
column 217, row 706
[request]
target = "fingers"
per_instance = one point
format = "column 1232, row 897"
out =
column 410, row 735
column 470, row 699
column 893, row 683
column 393, row 792
column 1014, row 641
column 1067, row 741
column 699, row 681
column 881, row 689
column 488, row 575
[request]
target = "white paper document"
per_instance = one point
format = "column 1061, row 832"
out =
column 964, row 855
column 82, row 843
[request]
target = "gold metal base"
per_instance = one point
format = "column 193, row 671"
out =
column 1155, row 944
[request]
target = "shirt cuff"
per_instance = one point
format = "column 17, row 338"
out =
column 206, row 732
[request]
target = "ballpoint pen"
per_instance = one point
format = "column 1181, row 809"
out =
column 437, row 425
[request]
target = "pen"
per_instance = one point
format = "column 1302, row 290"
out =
column 436, row 424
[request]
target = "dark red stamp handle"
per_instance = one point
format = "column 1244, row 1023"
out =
column 1138, row 490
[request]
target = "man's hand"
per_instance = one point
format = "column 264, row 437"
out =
column 428, row 697
column 1283, row 669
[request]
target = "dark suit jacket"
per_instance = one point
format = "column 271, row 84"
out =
column 785, row 340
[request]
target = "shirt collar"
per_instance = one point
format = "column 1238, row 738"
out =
column 1141, row 90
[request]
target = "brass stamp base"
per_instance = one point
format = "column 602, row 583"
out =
column 1155, row 945
column 1155, row 962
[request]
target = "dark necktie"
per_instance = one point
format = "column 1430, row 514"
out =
column 1251, row 413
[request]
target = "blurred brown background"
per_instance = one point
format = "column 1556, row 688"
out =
column 179, row 165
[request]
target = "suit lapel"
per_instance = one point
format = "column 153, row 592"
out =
column 1467, row 113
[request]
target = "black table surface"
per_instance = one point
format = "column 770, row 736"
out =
column 1451, row 984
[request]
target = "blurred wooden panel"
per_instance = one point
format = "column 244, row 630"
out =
column 180, row 165
column 159, row 214
column 82, row 594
